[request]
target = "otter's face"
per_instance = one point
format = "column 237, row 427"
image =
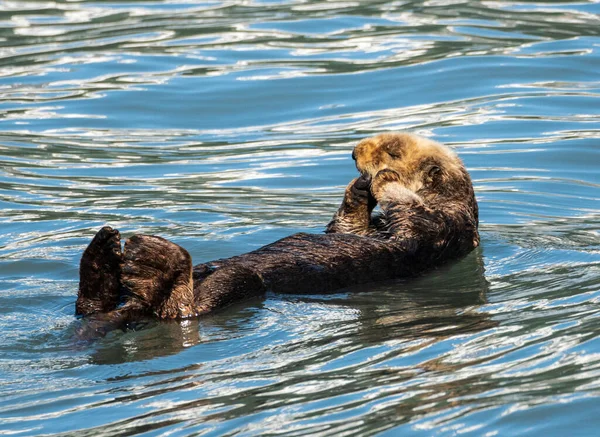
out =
column 428, row 169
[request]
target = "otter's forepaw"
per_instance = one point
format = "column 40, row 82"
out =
column 360, row 186
column 387, row 187
column 353, row 216
column 99, row 272
column 360, row 193
column 357, row 192
column 157, row 274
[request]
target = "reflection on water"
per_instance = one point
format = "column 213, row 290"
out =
column 223, row 125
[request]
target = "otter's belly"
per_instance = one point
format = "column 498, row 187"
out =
column 310, row 263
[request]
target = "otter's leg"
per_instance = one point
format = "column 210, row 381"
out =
column 157, row 277
column 202, row 271
column 99, row 273
column 354, row 215
column 226, row 285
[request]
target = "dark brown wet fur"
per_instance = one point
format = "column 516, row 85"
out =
column 157, row 276
column 428, row 216
column 100, row 274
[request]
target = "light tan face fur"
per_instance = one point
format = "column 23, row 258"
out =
column 426, row 168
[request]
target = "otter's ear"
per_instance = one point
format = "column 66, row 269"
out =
column 434, row 171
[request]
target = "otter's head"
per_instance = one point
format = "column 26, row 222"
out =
column 428, row 169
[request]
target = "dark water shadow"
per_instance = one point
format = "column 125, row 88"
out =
column 150, row 338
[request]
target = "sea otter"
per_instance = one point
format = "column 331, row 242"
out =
column 428, row 215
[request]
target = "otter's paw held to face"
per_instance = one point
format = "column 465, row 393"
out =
column 358, row 192
column 382, row 180
column 157, row 275
column 353, row 216
column 99, row 273
column 388, row 187
column 359, row 187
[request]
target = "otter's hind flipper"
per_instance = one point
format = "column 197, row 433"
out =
column 157, row 276
column 99, row 274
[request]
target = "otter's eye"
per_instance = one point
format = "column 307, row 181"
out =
column 394, row 153
column 434, row 171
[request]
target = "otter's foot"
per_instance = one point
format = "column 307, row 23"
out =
column 99, row 273
column 354, row 215
column 157, row 276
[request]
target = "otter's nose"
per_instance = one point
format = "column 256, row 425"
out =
column 354, row 154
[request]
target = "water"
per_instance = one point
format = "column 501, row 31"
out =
column 224, row 125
